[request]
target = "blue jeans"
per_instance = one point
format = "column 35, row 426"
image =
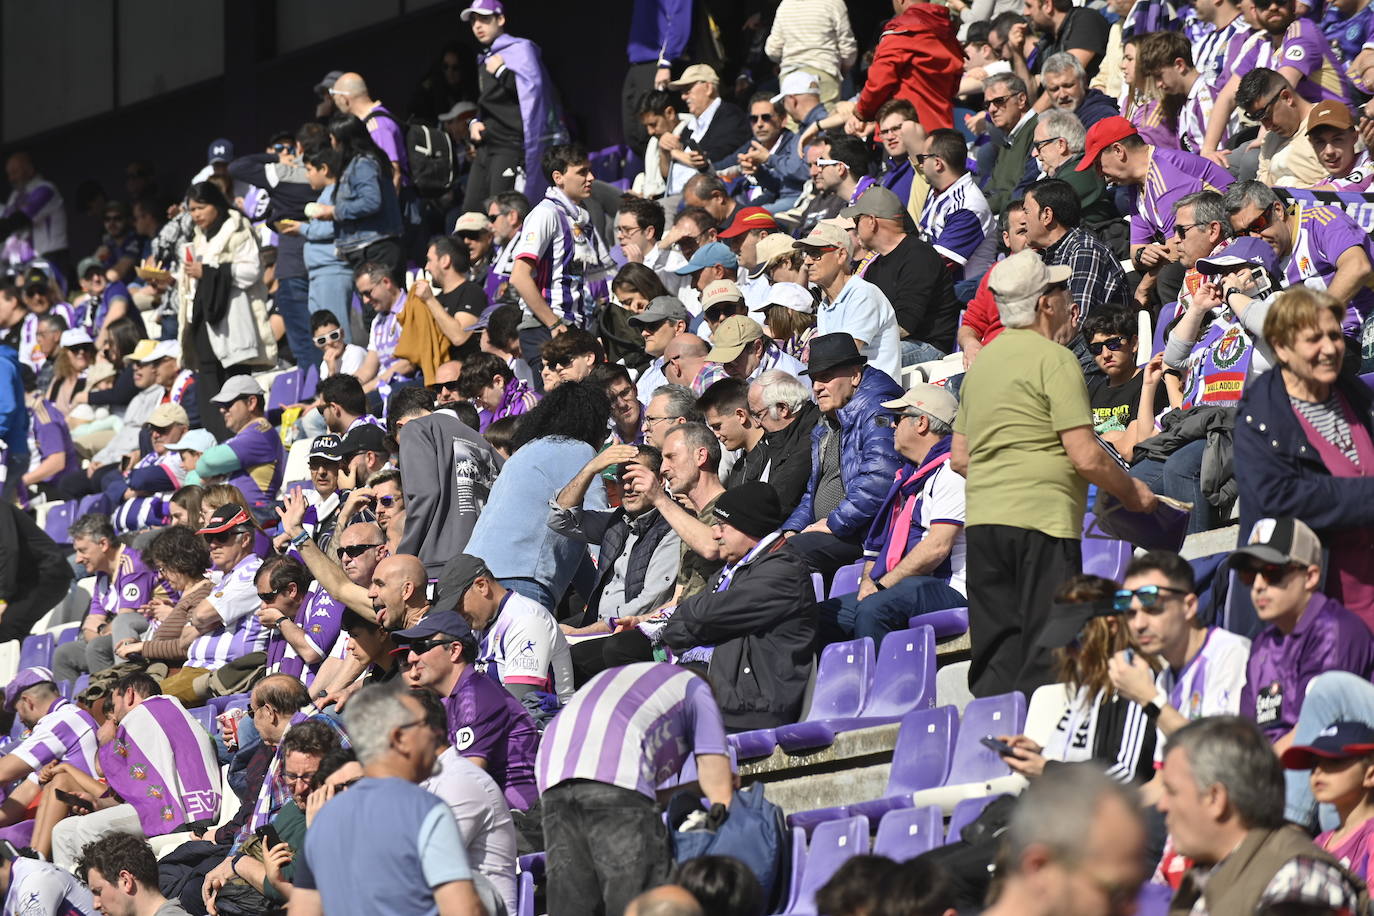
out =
column 846, row 617
column 529, row 588
column 330, row 291
column 917, row 351
column 1331, row 697
column 1180, row 477
column 292, row 301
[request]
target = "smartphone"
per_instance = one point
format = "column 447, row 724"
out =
column 269, row 836
column 1130, row 655
column 1001, row 748
column 73, row 801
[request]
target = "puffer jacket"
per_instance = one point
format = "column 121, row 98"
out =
column 919, row 59
column 763, row 628
column 868, row 459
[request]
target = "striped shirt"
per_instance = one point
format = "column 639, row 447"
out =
column 567, row 255
column 65, row 734
column 1197, row 111
column 959, row 224
column 632, row 727
column 813, row 36
column 1328, row 419
column 234, row 598
column 1210, row 53
column 1359, row 178
column 320, row 618
column 1306, row 49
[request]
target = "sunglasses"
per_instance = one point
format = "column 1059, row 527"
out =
column 357, row 550
column 1182, row 229
column 1265, row 4
column 815, row 254
column 329, row 338
column 761, row 117
column 1262, row 114
column 1260, row 223
column 421, row 646
column 222, row 537
column 892, row 420
column 88, row 349
column 282, row 148
column 1041, row 144
column 1273, row 572
column 265, row 597
column 562, row 363
column 439, row 387
column 1111, row 343
column 1148, row 595
column 997, row 102
column 159, row 430
column 822, row 163
column 922, row 157
column 386, row 502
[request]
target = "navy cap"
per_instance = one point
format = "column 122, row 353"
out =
column 325, row 447
column 450, row 623
column 1337, row 741
column 220, row 150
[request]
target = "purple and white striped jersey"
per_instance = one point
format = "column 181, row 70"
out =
column 631, row 727
column 320, row 618
column 128, row 588
column 1359, row 178
column 1210, row 683
column 1197, row 111
column 163, row 763
column 525, row 646
column 235, row 598
column 42, row 889
column 959, row 224
column 567, row 254
column 66, row 733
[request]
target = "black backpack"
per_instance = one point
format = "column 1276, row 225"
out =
column 429, row 151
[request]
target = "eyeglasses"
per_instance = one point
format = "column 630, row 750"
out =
column 650, row 421
column 1041, row 144
column 627, row 230
column 329, row 338
column 815, row 254
column 628, row 393
column 991, row 103
column 1264, row 113
column 265, row 597
column 421, row 646
column 357, row 550
column 1148, row 595
column 1273, row 572
column 288, row 777
column 1111, row 343
column 892, row 131
column 438, row 387
column 922, row 157
column 760, row 414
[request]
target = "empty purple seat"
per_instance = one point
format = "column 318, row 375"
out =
column 920, row 759
column 1368, row 379
column 310, row 380
column 92, row 502
column 36, row 651
column 949, row 622
column 205, row 715
column 58, row 521
column 285, row 391
column 965, row 813
column 233, row 701
column 81, row 684
column 903, row 680
column 1004, row 714
column 608, row 164
column 818, row 584
column 68, row 635
column 524, row 893
column 846, row 581
column 843, row 678
column 831, row 846
column 907, row 832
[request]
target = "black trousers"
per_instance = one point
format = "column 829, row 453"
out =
column 639, row 79
column 590, row 657
column 826, row 553
column 1012, row 576
column 493, row 171
column 606, row 845
column 34, row 575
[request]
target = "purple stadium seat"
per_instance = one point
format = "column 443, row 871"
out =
column 621, row 184
column 846, row 581
column 833, row 843
column 233, row 701
column 310, row 380
column 93, row 502
column 843, row 679
column 949, row 622
column 1368, row 379
column 81, row 684
column 64, row 689
column 920, row 759
column 907, row 832
column 36, row 651
column 965, row 813
column 58, row 521
column 1106, row 558
column 524, row 893
column 608, row 164
column 205, row 715
column 286, row 390
column 68, row 635
column 1004, row 714
column 903, row 680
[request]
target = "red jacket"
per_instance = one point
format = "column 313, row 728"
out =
column 982, row 315
column 919, row 59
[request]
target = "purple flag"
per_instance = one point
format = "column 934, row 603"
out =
column 162, row 762
column 539, row 109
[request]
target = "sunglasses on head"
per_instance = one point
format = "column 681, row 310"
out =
column 1272, row 572
column 357, row 550
column 1148, row 595
column 1111, row 343
column 329, row 338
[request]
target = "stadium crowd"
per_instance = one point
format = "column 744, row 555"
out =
column 425, row 478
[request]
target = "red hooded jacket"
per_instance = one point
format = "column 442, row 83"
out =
column 919, row 59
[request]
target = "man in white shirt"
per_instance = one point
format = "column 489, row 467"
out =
column 850, row 305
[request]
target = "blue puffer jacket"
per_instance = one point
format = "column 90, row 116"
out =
column 868, row 459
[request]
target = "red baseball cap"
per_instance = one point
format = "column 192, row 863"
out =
column 1102, row 135
column 747, row 218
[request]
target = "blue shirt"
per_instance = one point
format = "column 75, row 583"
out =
column 422, row 850
column 14, row 414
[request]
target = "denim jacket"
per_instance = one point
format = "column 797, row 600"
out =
column 365, row 206
column 319, row 240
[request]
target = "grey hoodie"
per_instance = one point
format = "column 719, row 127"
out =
column 447, row 472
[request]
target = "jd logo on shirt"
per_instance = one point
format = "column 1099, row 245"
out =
column 463, row 740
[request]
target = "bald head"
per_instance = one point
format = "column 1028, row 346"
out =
column 668, row 900
column 398, row 591
column 359, row 568
column 689, row 345
column 448, row 372
column 350, row 84
column 404, row 567
column 350, row 94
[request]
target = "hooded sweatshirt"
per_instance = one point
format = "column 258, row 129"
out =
column 919, row 59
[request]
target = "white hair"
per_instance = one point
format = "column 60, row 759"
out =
column 370, row 718
column 778, row 387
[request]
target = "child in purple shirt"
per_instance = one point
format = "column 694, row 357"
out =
column 1342, row 763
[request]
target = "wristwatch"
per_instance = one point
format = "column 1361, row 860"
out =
column 1161, row 699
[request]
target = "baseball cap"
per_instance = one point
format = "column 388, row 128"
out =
column 76, row 337
column 792, row 296
column 1067, row 620
column 747, row 219
column 455, row 579
column 798, row 83
column 876, row 201
column 143, row 352
column 88, row 266
column 829, row 351
column 483, row 8
column 731, row 336
column 220, row 150
column 662, row 308
column 472, row 222
column 1330, row 114
column 161, row 350
column 99, row 372
column 230, row 515
column 826, row 235
column 364, row 437
column 1025, row 276
column 195, row 440
column 239, row 386
column 1242, row 252
column 771, row 248
column 1102, row 135
column 928, row 399
column 752, row 508
column 28, row 677
column 720, row 291
column 433, row 623
column 1279, row 540
column 697, row 73
column 323, row 86
column 1338, row 740
column 709, row 255
column 325, row 447
column 166, row 414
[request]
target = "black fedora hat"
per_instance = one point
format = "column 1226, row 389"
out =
column 832, row 350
